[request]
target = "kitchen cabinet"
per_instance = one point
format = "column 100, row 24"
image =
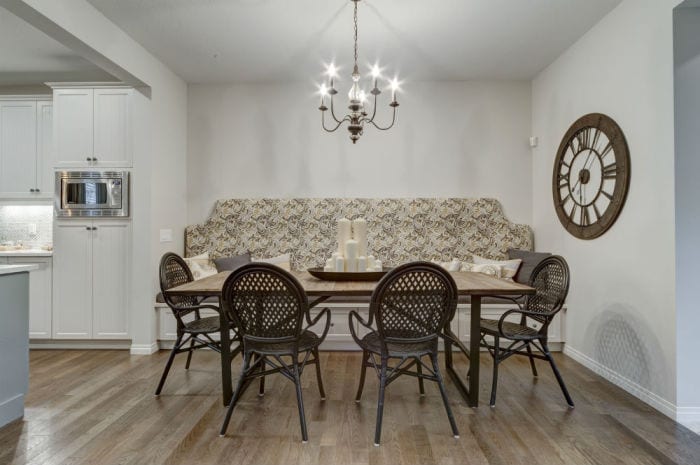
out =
column 92, row 127
column 91, row 279
column 25, row 148
column 39, row 295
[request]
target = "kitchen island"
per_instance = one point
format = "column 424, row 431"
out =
column 14, row 340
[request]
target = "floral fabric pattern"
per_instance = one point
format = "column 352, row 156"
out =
column 399, row 230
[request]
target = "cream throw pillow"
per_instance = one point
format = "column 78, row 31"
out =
column 510, row 267
column 201, row 266
column 284, row 261
column 485, row 268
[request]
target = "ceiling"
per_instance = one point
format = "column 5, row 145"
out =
column 209, row 41
column 30, row 57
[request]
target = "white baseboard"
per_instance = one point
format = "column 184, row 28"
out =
column 640, row 392
column 62, row 344
column 144, row 349
column 11, row 409
column 689, row 417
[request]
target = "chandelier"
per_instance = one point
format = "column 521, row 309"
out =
column 359, row 115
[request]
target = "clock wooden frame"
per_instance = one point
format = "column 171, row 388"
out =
column 584, row 220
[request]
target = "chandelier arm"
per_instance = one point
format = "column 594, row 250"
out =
column 333, row 113
column 393, row 120
column 323, row 122
column 374, row 110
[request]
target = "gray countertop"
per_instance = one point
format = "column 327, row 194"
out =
column 26, row 253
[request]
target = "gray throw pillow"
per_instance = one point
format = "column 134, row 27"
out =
column 530, row 261
column 232, row 263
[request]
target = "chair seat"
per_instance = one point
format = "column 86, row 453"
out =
column 371, row 342
column 209, row 324
column 510, row 329
column 309, row 340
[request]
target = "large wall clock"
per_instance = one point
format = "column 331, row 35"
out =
column 591, row 176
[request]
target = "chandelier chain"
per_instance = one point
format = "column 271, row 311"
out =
column 355, row 21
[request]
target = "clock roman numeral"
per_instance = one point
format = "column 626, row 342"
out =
column 585, row 220
column 583, row 137
column 563, row 180
column 596, row 138
column 572, row 213
column 597, row 212
column 609, row 196
column 606, row 150
column 610, row 171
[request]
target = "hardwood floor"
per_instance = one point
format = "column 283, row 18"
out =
column 97, row 407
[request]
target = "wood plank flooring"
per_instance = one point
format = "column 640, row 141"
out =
column 97, row 407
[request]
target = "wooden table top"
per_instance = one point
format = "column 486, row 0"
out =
column 468, row 283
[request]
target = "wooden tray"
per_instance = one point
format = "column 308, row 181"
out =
column 347, row 276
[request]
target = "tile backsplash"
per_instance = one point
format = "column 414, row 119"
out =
column 16, row 224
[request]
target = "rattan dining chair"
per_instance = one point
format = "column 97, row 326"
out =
column 192, row 333
column 411, row 306
column 269, row 307
column 550, row 278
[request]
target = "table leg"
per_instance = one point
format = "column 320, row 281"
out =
column 474, row 339
column 225, row 338
column 451, row 340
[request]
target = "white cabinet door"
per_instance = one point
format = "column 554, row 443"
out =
column 17, row 148
column 72, row 280
column 44, row 155
column 73, row 127
column 110, row 285
column 112, row 128
column 39, row 296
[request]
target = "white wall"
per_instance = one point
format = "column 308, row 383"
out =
column 465, row 139
column 621, row 318
column 687, row 117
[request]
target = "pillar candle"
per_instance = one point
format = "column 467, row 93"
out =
column 370, row 262
column 339, row 264
column 351, row 255
column 378, row 265
column 344, row 234
column 359, row 233
column 361, row 263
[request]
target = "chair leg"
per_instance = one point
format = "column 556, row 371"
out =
column 319, row 380
column 300, row 400
column 494, row 385
column 532, row 360
column 189, row 354
column 560, row 380
column 261, row 388
column 380, row 402
column 363, row 370
column 236, row 394
column 443, row 393
column 419, row 369
column 168, row 364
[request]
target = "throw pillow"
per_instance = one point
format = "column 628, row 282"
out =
column 454, row 265
column 489, row 269
column 510, row 267
column 201, row 266
column 530, row 261
column 284, row 261
column 232, row 263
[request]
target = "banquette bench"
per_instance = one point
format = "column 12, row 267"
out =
column 399, row 230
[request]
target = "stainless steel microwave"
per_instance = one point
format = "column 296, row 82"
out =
column 92, row 194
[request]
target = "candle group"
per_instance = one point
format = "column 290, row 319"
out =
column 351, row 254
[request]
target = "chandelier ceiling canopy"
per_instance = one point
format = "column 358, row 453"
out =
column 359, row 114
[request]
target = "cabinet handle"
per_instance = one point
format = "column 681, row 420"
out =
column 37, row 190
column 31, row 190
column 94, row 158
column 87, row 227
column 88, row 159
column 94, row 228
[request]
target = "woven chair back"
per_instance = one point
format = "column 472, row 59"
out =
column 413, row 302
column 551, row 280
column 175, row 272
column 265, row 302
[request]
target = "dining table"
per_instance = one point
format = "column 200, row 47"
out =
column 474, row 285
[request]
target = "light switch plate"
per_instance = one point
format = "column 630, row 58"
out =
column 166, row 235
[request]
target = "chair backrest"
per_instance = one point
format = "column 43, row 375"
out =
column 551, row 280
column 413, row 302
column 175, row 272
column 265, row 302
